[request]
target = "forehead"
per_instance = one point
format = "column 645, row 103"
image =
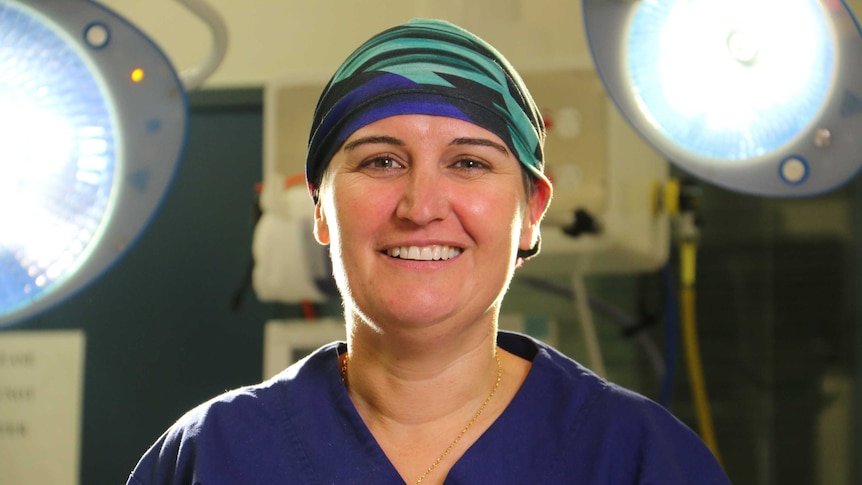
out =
column 419, row 126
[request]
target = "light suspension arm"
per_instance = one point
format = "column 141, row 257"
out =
column 193, row 78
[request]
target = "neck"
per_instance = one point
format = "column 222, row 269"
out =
column 412, row 384
column 415, row 409
column 427, row 397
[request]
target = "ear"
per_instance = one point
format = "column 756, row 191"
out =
column 536, row 207
column 321, row 228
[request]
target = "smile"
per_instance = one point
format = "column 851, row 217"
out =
column 424, row 253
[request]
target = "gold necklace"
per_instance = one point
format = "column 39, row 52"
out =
column 464, row 429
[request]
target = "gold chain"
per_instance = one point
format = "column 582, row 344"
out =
column 463, row 430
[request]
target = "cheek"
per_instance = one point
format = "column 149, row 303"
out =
column 356, row 203
column 494, row 213
column 358, row 214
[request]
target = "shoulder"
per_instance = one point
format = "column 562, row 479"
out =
column 230, row 411
column 267, row 401
column 568, row 382
column 647, row 441
column 611, row 433
column 236, row 429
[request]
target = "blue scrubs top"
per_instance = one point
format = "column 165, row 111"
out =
column 564, row 426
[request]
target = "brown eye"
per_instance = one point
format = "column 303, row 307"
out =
column 471, row 164
column 385, row 163
column 382, row 163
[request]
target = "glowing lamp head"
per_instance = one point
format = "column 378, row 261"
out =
column 57, row 157
column 737, row 92
column 72, row 129
column 724, row 79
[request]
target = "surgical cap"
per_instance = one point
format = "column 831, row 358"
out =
column 429, row 67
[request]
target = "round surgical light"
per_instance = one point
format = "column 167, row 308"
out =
column 86, row 153
column 730, row 90
column 58, row 142
column 729, row 86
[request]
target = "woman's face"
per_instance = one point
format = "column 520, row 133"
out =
column 425, row 215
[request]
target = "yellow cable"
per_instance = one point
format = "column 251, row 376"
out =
column 670, row 196
column 688, row 263
column 696, row 379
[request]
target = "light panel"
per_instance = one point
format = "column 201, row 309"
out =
column 756, row 96
column 743, row 61
column 57, row 141
column 92, row 119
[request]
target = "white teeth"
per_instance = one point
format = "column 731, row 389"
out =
column 425, row 253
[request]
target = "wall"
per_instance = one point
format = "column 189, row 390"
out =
column 269, row 37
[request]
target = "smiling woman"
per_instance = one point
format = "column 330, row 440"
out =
column 417, row 157
column 431, row 190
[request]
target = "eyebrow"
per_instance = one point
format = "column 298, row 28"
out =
column 480, row 142
column 391, row 140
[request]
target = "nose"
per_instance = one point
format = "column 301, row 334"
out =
column 425, row 198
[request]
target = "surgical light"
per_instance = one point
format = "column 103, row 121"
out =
column 88, row 145
column 756, row 96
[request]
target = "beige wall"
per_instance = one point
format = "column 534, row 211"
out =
column 269, row 37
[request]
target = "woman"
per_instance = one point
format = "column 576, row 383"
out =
column 425, row 165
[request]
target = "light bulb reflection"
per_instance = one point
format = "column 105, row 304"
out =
column 730, row 79
column 743, row 46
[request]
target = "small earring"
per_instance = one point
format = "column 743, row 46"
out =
column 529, row 253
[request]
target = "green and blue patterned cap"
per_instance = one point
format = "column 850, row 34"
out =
column 429, row 67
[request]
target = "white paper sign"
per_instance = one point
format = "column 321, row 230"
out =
column 40, row 406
